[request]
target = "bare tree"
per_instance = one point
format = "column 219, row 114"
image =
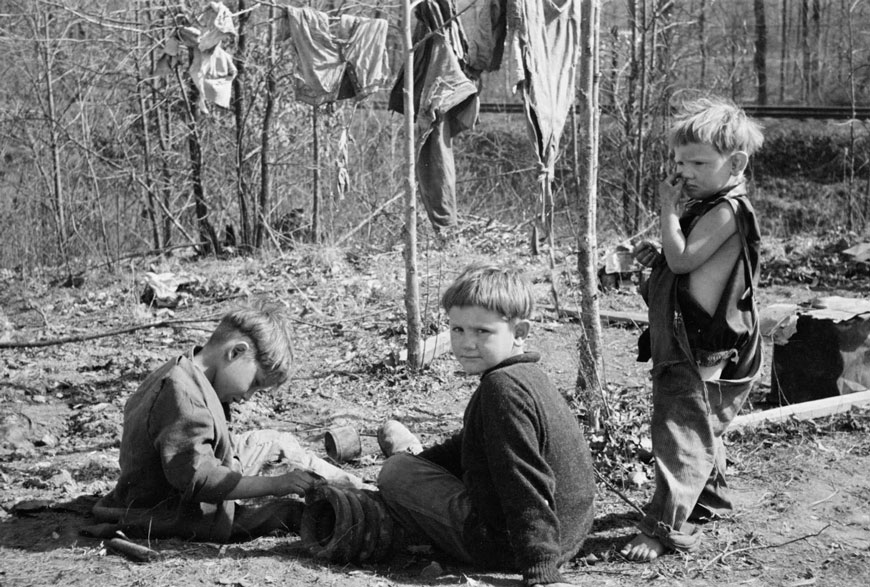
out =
column 760, row 52
column 783, row 50
column 588, row 383
column 45, row 46
column 412, row 286
column 240, row 113
column 266, row 137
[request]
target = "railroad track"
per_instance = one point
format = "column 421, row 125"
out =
column 795, row 112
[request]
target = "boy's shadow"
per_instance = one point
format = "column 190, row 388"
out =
column 43, row 526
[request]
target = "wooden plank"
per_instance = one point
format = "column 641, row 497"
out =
column 805, row 410
column 433, row 347
column 607, row 316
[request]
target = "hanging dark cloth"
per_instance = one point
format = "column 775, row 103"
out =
column 445, row 103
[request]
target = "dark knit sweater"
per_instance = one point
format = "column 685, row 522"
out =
column 528, row 471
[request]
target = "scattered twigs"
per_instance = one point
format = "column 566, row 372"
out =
column 84, row 337
column 722, row 555
column 621, row 495
column 368, row 219
column 815, row 503
column 34, row 306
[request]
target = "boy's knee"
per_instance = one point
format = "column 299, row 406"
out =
column 393, row 472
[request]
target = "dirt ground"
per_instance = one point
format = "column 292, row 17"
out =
column 802, row 488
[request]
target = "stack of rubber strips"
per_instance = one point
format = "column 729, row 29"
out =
column 346, row 525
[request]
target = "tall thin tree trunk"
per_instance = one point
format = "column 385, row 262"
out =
column 850, row 218
column 162, row 117
column 760, row 52
column 53, row 140
column 315, row 180
column 630, row 179
column 588, row 383
column 266, row 137
column 412, row 285
column 783, row 51
column 207, row 233
column 816, row 52
column 240, row 114
column 640, row 135
column 702, row 41
column 150, row 205
column 805, row 51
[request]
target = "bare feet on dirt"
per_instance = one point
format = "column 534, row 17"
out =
column 643, row 549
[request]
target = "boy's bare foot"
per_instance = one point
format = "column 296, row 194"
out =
column 643, row 549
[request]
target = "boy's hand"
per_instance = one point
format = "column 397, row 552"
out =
column 671, row 191
column 646, row 253
column 295, row 482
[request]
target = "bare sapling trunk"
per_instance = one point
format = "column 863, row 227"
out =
column 59, row 197
column 760, row 59
column 589, row 388
column 240, row 113
column 147, row 151
column 315, row 176
column 266, row 137
column 412, row 286
column 207, row 232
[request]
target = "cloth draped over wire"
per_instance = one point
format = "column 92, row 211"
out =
column 445, row 103
column 544, row 36
column 336, row 60
column 211, row 69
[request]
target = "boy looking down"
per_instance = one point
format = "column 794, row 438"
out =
column 181, row 470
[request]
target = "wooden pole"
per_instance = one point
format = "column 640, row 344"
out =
column 412, row 286
column 589, row 373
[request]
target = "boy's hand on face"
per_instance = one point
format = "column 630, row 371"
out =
column 671, row 191
column 294, row 482
column 646, row 253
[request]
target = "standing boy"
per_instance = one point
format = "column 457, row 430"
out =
column 513, row 490
column 703, row 334
column 181, row 470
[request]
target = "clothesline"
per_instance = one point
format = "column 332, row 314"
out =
column 344, row 8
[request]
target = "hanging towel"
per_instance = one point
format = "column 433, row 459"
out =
column 335, row 63
column 545, row 41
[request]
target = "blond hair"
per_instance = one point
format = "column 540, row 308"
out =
column 266, row 328
column 717, row 122
column 497, row 288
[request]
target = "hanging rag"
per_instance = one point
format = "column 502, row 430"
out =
column 335, row 63
column 211, row 68
column 484, row 23
column 445, row 103
column 545, row 42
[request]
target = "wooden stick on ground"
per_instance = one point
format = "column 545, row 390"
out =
column 84, row 337
column 131, row 550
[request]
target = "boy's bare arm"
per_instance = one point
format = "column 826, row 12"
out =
column 712, row 230
column 294, row 482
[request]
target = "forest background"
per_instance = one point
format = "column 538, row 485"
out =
column 100, row 159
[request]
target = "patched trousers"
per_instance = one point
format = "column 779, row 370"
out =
column 689, row 419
